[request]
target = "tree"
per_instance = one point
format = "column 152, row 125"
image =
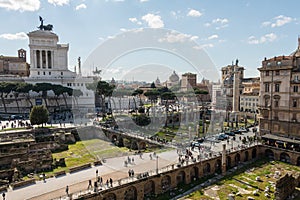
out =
column 39, row 115
column 25, row 88
column 104, row 90
column 138, row 92
column 44, row 88
column 6, row 88
column 152, row 85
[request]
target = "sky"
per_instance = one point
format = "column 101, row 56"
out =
column 222, row 30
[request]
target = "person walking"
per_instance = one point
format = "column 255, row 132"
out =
column 111, row 182
column 96, row 173
column 90, row 185
column 67, row 190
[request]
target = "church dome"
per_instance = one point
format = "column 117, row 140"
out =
column 174, row 77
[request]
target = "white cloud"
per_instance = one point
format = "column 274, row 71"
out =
column 58, row 2
column 220, row 21
column 267, row 23
column 133, row 19
column 25, row 5
column 281, row 20
column 213, row 37
column 123, row 29
column 173, row 37
column 153, row 21
column 207, row 24
column 200, row 47
column 17, row 36
column 278, row 21
column 263, row 39
column 81, row 6
column 194, row 13
column 142, row 1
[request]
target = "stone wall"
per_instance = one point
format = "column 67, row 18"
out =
column 285, row 186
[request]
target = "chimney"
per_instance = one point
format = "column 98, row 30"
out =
column 298, row 42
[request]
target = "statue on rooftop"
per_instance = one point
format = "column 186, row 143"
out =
column 48, row 27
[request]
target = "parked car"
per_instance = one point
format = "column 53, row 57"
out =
column 243, row 130
column 230, row 133
column 237, row 132
column 222, row 136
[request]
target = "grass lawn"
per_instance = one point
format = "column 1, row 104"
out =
column 83, row 152
column 245, row 182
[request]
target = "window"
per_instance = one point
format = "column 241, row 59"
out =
column 276, row 103
column 61, row 73
column 267, row 87
column 44, row 73
column 296, row 78
column 295, row 88
column 38, row 73
column 49, row 73
column 267, row 73
column 266, row 102
column 277, row 86
column 277, row 73
column 294, row 103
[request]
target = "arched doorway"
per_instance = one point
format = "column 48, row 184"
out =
column 254, row 153
column 246, row 156
column 206, row 169
column 194, row 173
column 142, row 145
column 298, row 161
column 228, row 162
column 237, row 159
column 149, row 189
column 130, row 193
column 284, row 157
column 110, row 196
column 134, row 145
column 165, row 183
column 180, row 178
column 269, row 154
column 114, row 138
column 218, row 166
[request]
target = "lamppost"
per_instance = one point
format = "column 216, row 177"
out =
column 156, row 164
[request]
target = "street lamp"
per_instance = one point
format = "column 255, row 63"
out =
column 156, row 164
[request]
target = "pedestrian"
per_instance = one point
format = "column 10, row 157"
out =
column 129, row 172
column 96, row 173
column 3, row 196
column 90, row 184
column 132, row 160
column 111, row 182
column 98, row 179
column 67, row 190
column 150, row 157
column 107, row 184
column 95, row 186
column 132, row 173
column 101, row 181
column 44, row 177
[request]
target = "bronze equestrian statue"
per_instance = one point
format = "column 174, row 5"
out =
column 48, row 27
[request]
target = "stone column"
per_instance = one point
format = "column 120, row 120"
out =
column 224, row 160
column 46, row 57
column 236, row 91
column 41, row 59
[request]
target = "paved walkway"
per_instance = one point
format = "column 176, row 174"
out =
column 113, row 168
